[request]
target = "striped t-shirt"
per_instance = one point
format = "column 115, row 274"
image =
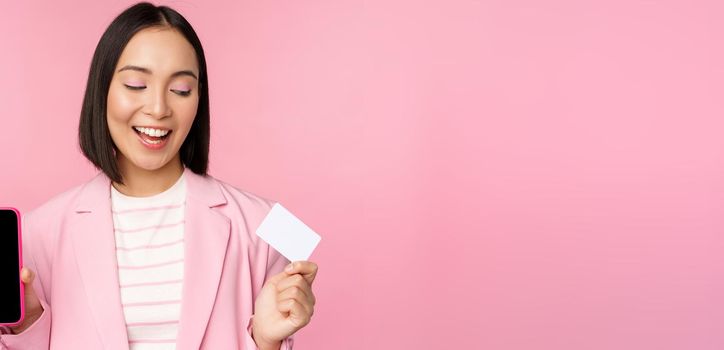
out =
column 149, row 234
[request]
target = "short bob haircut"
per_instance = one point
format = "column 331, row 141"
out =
column 93, row 134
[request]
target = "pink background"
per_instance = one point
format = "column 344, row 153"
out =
column 485, row 174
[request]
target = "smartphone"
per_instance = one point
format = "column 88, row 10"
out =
column 12, row 305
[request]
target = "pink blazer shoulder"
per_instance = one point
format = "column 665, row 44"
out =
column 69, row 243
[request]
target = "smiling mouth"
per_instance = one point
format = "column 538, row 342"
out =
column 152, row 136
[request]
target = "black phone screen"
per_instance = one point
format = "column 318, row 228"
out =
column 10, row 307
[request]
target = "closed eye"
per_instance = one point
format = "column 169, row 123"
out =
column 134, row 87
column 182, row 92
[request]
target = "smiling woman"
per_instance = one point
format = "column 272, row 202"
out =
column 149, row 68
column 153, row 253
column 152, row 102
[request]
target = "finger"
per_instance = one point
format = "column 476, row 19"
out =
column 299, row 316
column 307, row 269
column 32, row 303
column 294, row 281
column 287, row 303
column 33, row 308
column 298, row 267
column 298, row 294
column 27, row 276
column 277, row 278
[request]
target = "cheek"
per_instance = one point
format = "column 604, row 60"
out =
column 187, row 113
column 120, row 106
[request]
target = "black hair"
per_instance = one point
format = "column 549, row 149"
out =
column 93, row 134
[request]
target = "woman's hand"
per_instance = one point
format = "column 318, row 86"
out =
column 33, row 309
column 284, row 305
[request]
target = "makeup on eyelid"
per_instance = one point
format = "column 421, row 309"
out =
column 182, row 88
column 139, row 87
column 134, row 84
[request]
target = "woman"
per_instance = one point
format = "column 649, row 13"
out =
column 153, row 253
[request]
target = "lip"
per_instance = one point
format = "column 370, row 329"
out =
column 152, row 146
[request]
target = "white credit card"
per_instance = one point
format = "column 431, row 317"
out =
column 287, row 234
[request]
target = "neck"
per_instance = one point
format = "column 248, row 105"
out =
column 139, row 182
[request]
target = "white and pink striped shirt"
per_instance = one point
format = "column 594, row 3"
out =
column 149, row 234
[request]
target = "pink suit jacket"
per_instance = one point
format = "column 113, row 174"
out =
column 69, row 243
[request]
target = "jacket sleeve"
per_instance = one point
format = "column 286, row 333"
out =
column 287, row 344
column 37, row 336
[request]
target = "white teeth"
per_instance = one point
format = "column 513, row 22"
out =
column 152, row 132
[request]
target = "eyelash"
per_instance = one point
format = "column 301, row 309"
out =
column 182, row 93
column 178, row 92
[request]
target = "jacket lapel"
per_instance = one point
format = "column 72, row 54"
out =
column 206, row 238
column 95, row 250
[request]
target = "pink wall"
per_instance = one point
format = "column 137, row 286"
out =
column 485, row 174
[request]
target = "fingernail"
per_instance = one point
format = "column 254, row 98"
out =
column 290, row 267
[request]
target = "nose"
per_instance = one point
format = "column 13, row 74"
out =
column 156, row 104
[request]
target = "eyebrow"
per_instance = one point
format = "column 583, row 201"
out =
column 148, row 71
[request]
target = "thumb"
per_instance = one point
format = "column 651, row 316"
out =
column 276, row 278
column 28, row 276
column 33, row 308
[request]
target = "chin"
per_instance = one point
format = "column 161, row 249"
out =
column 150, row 165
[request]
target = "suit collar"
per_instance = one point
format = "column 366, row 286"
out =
column 206, row 236
column 201, row 188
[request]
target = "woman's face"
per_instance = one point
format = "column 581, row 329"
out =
column 152, row 99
